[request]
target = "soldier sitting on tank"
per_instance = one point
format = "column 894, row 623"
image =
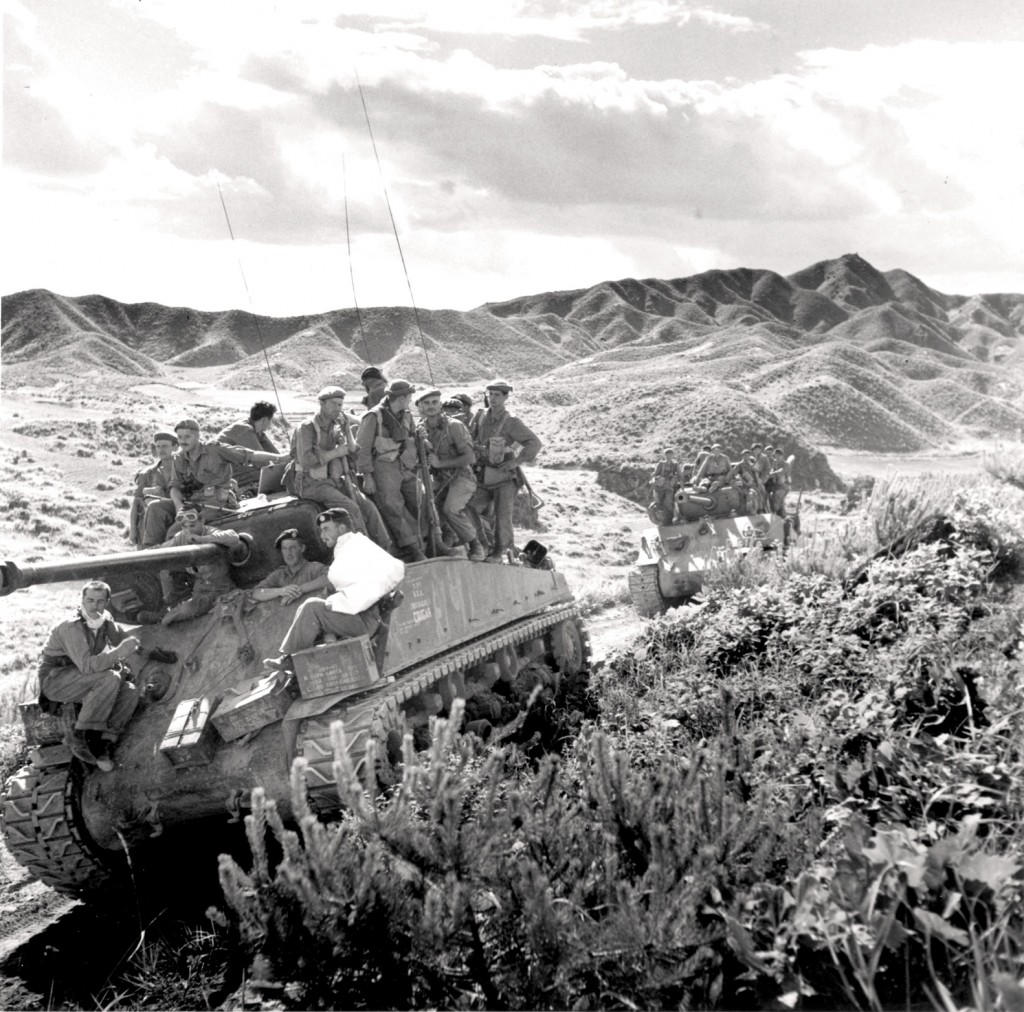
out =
column 360, row 575
column 744, row 479
column 83, row 662
column 212, row 578
column 152, row 494
column 702, row 455
column 250, row 433
column 715, row 470
column 202, row 471
column 298, row 576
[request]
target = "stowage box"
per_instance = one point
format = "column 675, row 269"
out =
column 190, row 737
column 256, row 706
column 344, row 666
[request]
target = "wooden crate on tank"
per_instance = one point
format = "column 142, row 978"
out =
column 190, row 739
column 257, row 705
column 331, row 668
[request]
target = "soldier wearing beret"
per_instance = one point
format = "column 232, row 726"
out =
column 152, row 492
column 319, row 450
column 298, row 576
column 496, row 435
column 202, row 471
column 387, row 462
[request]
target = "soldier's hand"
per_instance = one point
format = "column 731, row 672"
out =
column 369, row 485
column 433, row 460
column 128, row 646
column 508, row 465
column 291, row 593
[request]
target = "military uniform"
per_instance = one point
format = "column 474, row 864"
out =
column 453, row 487
column 666, row 476
column 242, row 433
column 284, row 576
column 80, row 664
column 151, row 517
column 494, row 437
column 387, row 453
column 203, row 476
column 779, row 488
column 714, row 472
column 310, row 475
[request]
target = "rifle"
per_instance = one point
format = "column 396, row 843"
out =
column 428, row 488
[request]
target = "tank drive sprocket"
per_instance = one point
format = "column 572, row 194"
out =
column 40, row 823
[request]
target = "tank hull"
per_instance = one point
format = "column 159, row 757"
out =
column 679, row 555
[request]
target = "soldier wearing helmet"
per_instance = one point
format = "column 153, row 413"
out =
column 715, row 470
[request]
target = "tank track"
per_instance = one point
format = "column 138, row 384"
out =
column 380, row 712
column 645, row 592
column 39, row 823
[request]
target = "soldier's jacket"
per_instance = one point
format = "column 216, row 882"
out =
column 668, row 471
column 508, row 427
column 284, row 577
column 241, row 433
column 383, row 435
column 449, row 438
column 208, row 468
column 714, row 466
column 73, row 642
column 764, row 466
column 315, row 437
column 157, row 478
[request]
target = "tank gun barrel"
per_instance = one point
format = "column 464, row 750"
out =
column 14, row 576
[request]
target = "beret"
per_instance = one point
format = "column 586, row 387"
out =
column 291, row 534
column 371, row 373
column 335, row 513
column 465, row 399
column 432, row 392
column 400, row 388
column 187, row 423
column 165, row 435
column 330, row 392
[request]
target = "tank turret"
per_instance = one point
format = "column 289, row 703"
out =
column 488, row 634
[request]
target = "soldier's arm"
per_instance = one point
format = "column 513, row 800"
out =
column 241, row 455
column 364, row 443
column 461, row 441
column 529, row 442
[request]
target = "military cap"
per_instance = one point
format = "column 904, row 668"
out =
column 187, row 423
column 399, row 388
column 371, row 372
column 336, row 514
column 453, row 404
column 717, row 446
column 329, row 393
column 500, row 385
column 292, row 534
column 465, row 399
column 169, row 436
column 432, row 392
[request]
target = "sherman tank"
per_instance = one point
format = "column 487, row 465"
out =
column 214, row 723
column 674, row 553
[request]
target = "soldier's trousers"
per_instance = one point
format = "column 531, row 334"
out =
column 398, row 497
column 454, row 509
column 778, row 501
column 314, row 618
column 157, row 521
column 108, row 700
column 503, row 496
column 666, row 499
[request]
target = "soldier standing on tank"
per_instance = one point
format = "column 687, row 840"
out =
column 387, row 461
column 698, row 461
column 781, row 479
column 252, row 434
column 320, row 447
column 83, row 662
column 495, row 434
column 202, row 472
column 451, row 457
column 375, row 386
column 667, row 478
column 152, row 492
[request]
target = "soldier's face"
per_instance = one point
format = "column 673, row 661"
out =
column 94, row 602
column 399, row 404
column 497, row 398
column 332, row 407
column 187, row 438
column 430, row 407
column 164, row 449
column 291, row 552
column 262, row 424
column 330, row 532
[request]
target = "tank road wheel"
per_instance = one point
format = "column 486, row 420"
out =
column 645, row 592
column 570, row 646
column 38, row 816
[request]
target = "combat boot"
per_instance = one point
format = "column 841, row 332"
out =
column 413, row 553
column 477, row 552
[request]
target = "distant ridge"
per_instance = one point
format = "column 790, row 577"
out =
column 839, row 352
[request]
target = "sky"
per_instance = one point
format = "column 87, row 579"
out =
column 457, row 152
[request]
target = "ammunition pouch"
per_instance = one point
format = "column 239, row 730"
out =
column 492, row 477
column 385, row 448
